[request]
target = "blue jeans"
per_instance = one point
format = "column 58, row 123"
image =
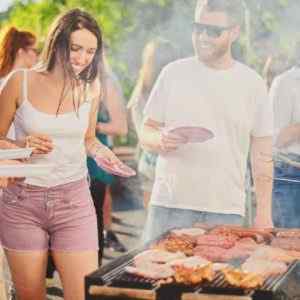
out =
column 286, row 194
column 161, row 219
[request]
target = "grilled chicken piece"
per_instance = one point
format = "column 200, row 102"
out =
column 193, row 275
column 240, row 279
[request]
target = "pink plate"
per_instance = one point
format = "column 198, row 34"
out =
column 195, row 134
column 116, row 169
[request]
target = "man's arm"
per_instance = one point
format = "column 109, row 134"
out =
column 262, row 172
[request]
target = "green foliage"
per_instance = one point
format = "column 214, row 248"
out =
column 127, row 25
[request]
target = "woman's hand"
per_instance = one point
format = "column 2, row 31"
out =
column 41, row 143
column 105, row 153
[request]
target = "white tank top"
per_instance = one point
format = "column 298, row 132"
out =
column 67, row 132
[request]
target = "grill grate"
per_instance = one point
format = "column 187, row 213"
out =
column 114, row 275
column 118, row 277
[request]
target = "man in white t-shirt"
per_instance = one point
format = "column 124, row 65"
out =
column 205, row 182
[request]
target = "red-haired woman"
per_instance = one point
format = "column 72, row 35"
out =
column 17, row 51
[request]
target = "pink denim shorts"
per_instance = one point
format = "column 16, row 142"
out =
column 60, row 218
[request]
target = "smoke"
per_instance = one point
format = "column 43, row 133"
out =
column 173, row 23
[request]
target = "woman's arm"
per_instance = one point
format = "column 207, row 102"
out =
column 94, row 147
column 114, row 103
column 9, row 98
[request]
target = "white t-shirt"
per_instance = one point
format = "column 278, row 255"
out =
column 285, row 94
column 234, row 104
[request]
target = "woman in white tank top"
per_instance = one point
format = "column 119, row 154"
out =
column 54, row 109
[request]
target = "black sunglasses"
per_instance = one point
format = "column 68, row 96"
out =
column 212, row 31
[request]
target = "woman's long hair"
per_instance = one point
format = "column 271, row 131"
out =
column 12, row 41
column 57, row 49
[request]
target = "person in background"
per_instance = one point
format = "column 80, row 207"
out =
column 57, row 117
column 156, row 54
column 205, row 182
column 111, row 122
column 285, row 93
column 18, row 50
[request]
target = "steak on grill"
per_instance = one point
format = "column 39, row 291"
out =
column 288, row 233
column 225, row 242
column 175, row 243
column 218, row 254
column 259, row 235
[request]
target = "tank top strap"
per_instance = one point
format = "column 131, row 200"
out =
column 25, row 86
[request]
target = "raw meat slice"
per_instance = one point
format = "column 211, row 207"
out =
column 263, row 267
column 189, row 231
column 190, row 262
column 151, row 270
column 157, row 256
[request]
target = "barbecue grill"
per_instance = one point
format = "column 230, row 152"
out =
column 112, row 282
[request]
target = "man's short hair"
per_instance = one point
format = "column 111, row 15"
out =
column 234, row 9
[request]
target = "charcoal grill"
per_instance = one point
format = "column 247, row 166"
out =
column 112, row 282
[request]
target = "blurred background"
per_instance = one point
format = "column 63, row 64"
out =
column 268, row 42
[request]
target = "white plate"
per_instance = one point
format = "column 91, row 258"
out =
column 18, row 153
column 25, row 170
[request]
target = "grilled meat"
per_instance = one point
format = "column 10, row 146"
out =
column 272, row 254
column 193, row 275
column 288, row 233
column 240, row 279
column 263, row 267
column 190, row 262
column 225, row 242
column 156, row 256
column 287, row 243
column 193, row 232
column 151, row 270
column 259, row 235
column 174, row 243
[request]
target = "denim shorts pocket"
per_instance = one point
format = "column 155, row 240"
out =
column 79, row 197
column 14, row 196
